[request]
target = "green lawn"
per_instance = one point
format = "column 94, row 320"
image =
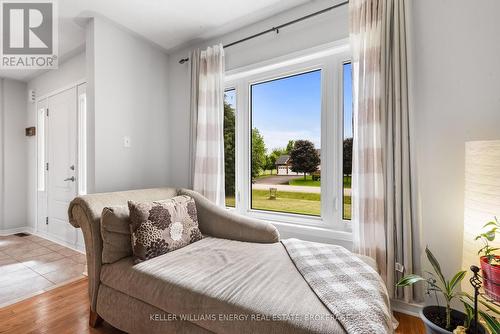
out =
column 230, row 203
column 347, row 181
column 291, row 202
column 308, row 182
column 347, row 208
column 266, row 172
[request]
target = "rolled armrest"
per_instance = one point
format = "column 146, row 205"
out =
column 84, row 216
column 85, row 212
column 222, row 223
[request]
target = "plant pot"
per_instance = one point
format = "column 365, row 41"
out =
column 491, row 279
column 431, row 316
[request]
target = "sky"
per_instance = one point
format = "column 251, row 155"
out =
column 348, row 100
column 290, row 108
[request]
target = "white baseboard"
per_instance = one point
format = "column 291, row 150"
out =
column 406, row 308
column 25, row 229
column 78, row 248
column 30, row 230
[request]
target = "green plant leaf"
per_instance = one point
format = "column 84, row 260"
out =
column 489, row 306
column 432, row 274
column 490, row 235
column 482, row 250
column 469, row 312
column 409, row 280
column 492, row 324
column 490, row 321
column 456, row 279
column 492, row 223
column 433, row 287
column 435, row 264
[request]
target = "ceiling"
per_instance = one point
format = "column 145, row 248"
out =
column 169, row 24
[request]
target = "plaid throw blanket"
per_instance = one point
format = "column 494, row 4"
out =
column 351, row 289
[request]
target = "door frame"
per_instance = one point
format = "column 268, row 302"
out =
column 81, row 133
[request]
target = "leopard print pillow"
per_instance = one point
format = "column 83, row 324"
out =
column 162, row 226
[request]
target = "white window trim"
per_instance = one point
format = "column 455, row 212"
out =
column 41, row 115
column 329, row 58
column 82, row 138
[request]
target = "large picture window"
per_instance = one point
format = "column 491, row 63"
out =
column 286, row 144
column 286, row 128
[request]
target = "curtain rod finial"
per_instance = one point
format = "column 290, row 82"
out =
column 183, row 60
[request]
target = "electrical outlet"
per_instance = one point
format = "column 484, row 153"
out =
column 127, row 142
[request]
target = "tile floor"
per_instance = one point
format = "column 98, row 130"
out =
column 31, row 265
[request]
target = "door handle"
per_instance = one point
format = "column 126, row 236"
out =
column 72, row 179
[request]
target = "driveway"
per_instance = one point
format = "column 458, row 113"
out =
column 277, row 179
column 285, row 187
column 298, row 189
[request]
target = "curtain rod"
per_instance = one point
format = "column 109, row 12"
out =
column 277, row 28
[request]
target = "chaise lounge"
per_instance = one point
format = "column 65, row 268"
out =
column 238, row 279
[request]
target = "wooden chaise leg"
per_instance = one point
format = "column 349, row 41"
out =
column 94, row 319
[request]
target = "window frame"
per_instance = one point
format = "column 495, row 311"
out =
column 329, row 59
column 343, row 133
column 236, row 130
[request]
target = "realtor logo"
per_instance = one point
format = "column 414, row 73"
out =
column 29, row 35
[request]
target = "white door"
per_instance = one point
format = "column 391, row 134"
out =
column 61, row 154
column 42, row 166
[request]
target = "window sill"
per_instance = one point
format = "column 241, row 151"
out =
column 310, row 226
column 314, row 231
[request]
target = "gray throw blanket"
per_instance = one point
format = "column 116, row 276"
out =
column 351, row 289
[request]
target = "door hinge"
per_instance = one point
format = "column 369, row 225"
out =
column 46, row 220
column 47, row 112
column 46, row 166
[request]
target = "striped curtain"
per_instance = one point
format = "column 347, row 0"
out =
column 368, row 210
column 383, row 188
column 208, row 91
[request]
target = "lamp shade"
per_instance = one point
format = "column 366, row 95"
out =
column 482, row 196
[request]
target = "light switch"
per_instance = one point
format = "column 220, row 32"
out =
column 127, row 142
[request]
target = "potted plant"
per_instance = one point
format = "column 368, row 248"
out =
column 490, row 262
column 488, row 313
column 441, row 319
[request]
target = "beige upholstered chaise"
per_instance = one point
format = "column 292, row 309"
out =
column 238, row 279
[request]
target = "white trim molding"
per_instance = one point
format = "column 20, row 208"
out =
column 81, row 151
column 22, row 229
column 30, row 230
column 406, row 308
column 74, row 246
column 329, row 59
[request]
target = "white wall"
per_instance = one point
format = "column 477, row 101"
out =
column 456, row 98
column 13, row 158
column 321, row 29
column 69, row 73
column 127, row 98
column 455, row 93
column 329, row 27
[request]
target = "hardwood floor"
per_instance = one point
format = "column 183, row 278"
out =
column 30, row 265
column 409, row 324
column 62, row 310
column 66, row 310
